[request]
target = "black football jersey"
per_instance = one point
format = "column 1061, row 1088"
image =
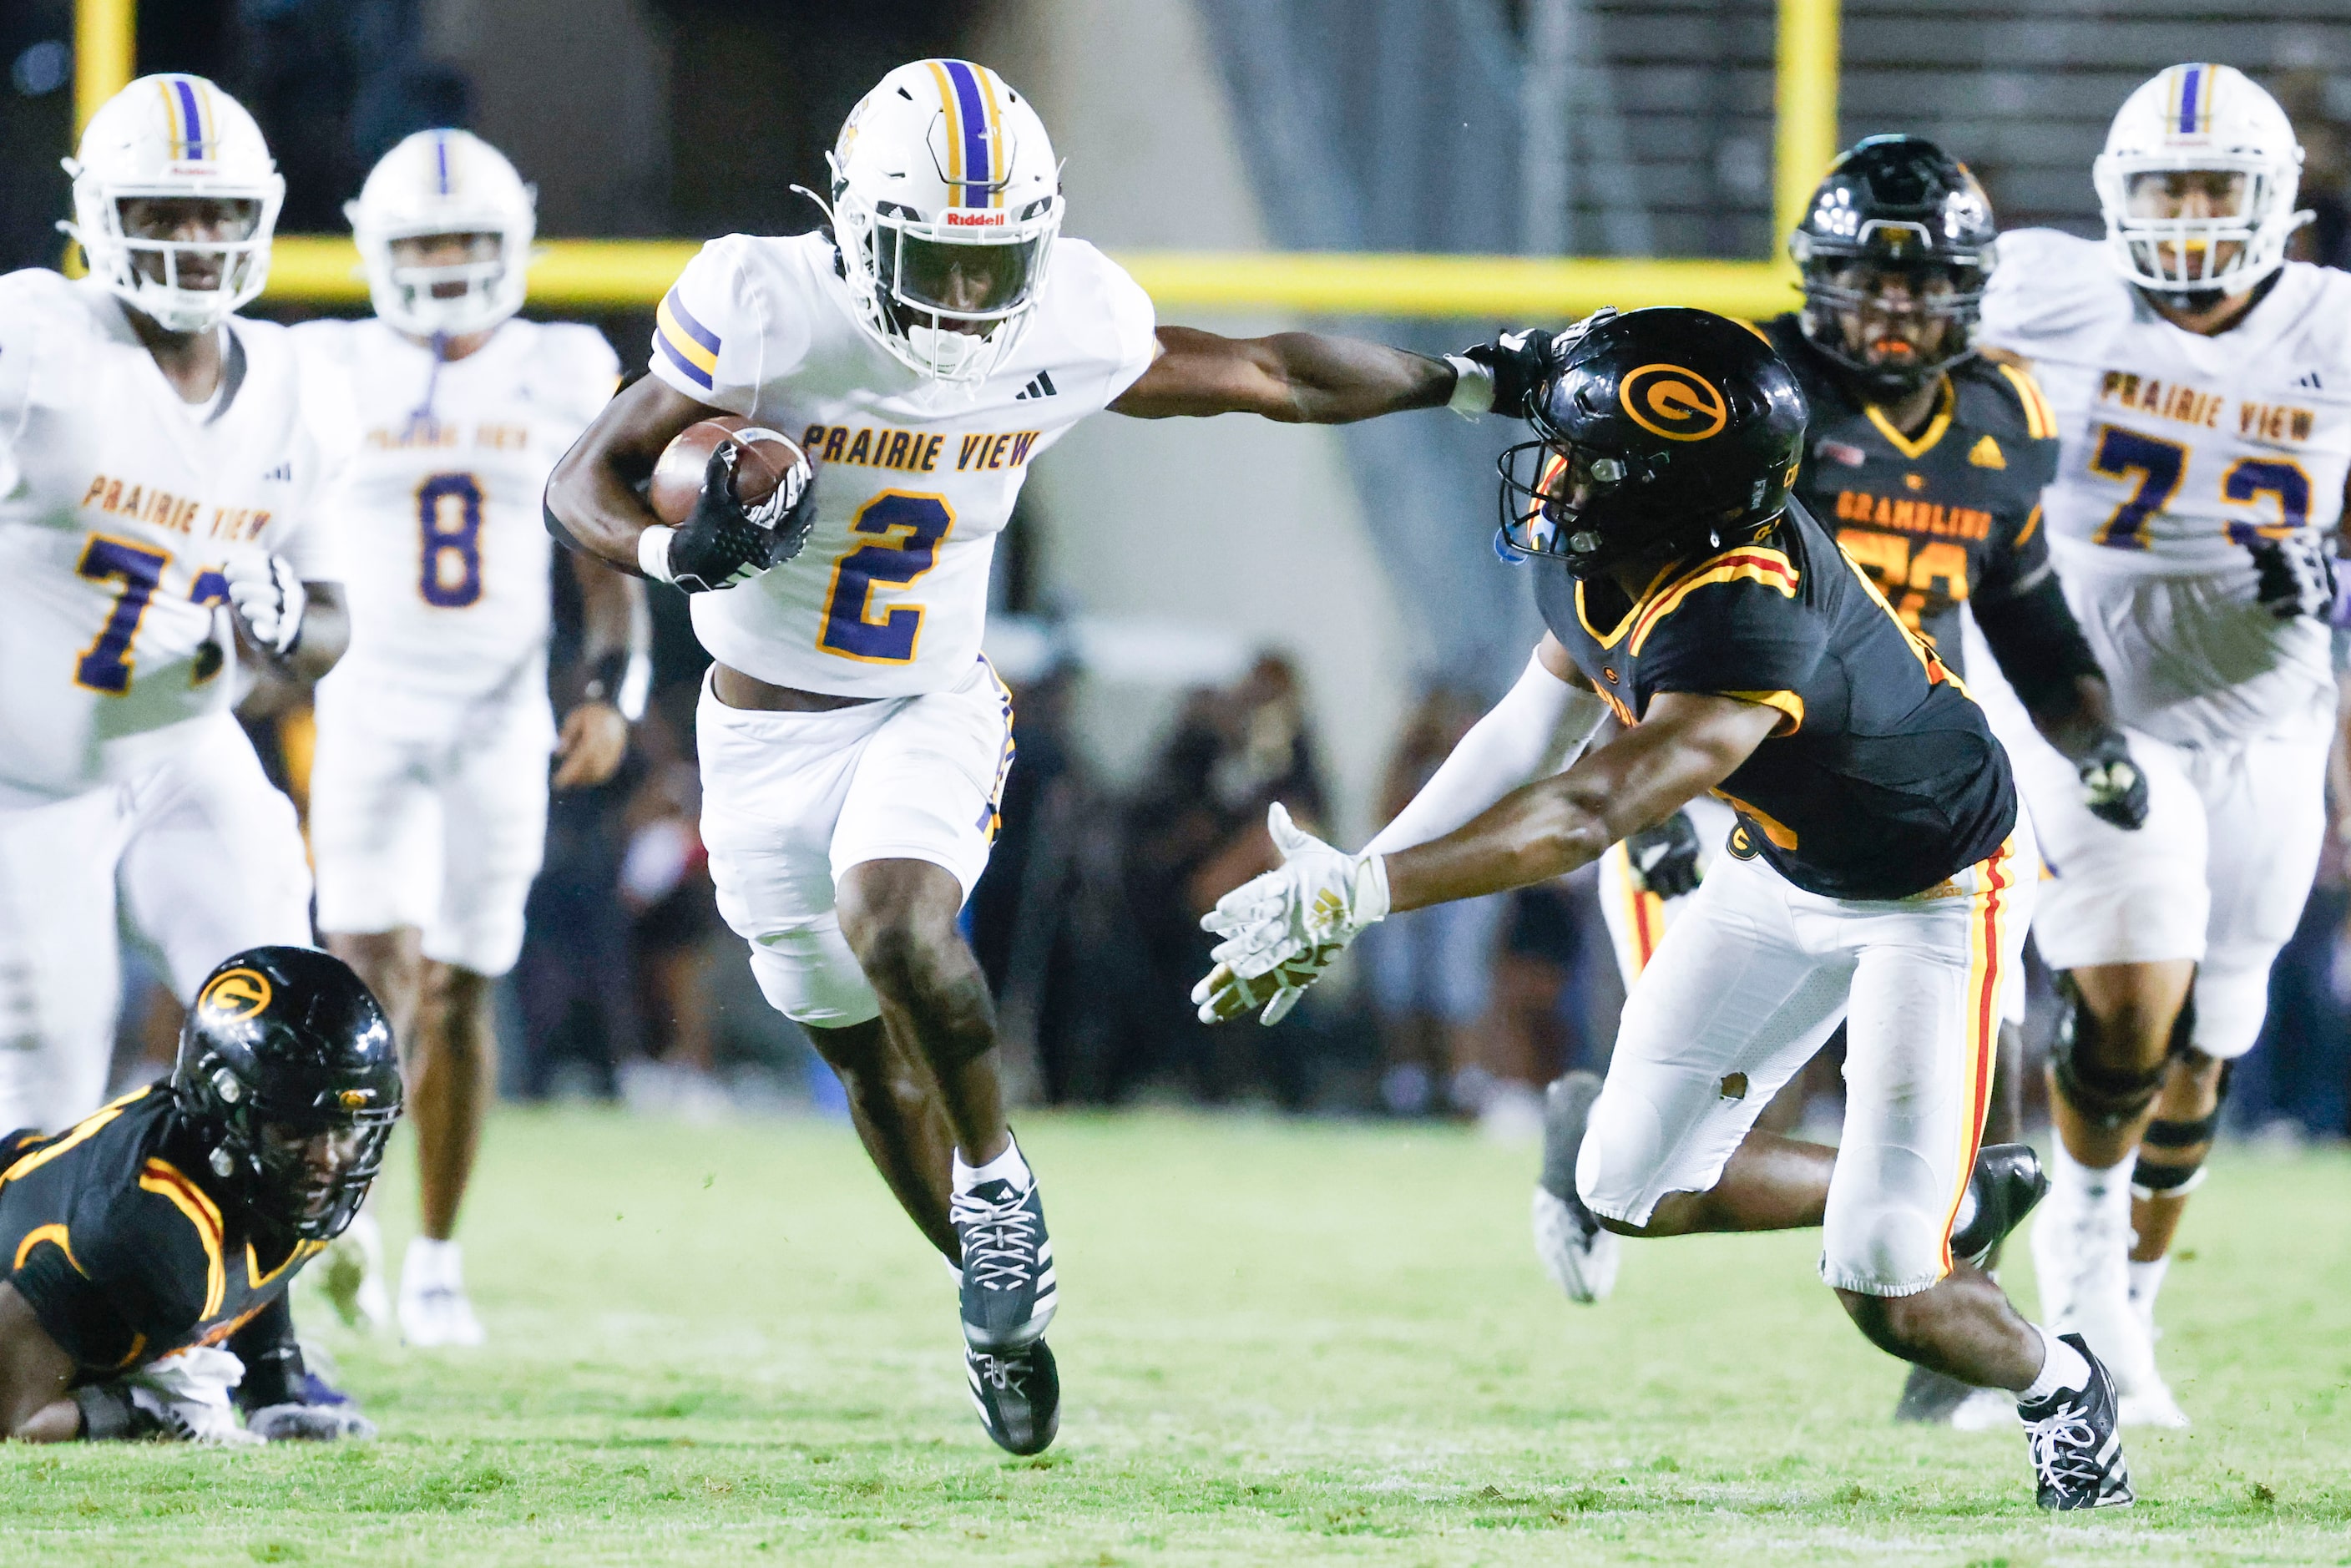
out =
column 122, row 1242
column 1951, row 516
column 1882, row 778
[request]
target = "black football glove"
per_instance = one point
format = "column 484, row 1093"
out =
column 725, row 542
column 2112, row 784
column 1515, row 362
column 2296, row 576
column 1665, row 858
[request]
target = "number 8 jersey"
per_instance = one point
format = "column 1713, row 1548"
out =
column 915, row 477
column 2177, row 451
column 120, row 503
column 441, row 503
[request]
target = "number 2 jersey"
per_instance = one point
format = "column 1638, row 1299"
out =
column 441, row 503
column 119, row 506
column 1882, row 777
column 2177, row 451
column 915, row 477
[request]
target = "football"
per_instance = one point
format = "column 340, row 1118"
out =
column 763, row 458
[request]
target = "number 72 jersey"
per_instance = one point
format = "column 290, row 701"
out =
column 2179, row 449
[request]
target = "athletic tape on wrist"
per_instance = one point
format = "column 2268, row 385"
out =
column 1473, row 387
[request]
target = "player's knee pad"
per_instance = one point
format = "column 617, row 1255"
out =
column 809, row 975
column 2183, row 1146
column 2104, row 1095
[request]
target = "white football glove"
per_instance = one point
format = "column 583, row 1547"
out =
column 1282, row 929
column 269, row 600
column 186, row 1395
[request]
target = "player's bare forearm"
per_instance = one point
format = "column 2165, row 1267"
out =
column 593, row 493
column 1684, row 746
column 2076, row 727
column 35, row 1377
column 613, row 615
column 1297, row 377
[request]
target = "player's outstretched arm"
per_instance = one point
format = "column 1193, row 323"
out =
column 1685, row 744
column 2040, row 648
column 1298, row 378
column 593, row 503
column 35, row 1376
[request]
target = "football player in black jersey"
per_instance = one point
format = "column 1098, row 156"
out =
column 152, row 1244
column 1880, row 871
column 1926, row 461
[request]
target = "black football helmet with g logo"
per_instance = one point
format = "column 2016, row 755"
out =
column 1659, row 431
column 288, row 1076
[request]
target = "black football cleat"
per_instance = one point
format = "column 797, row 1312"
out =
column 1008, row 1266
column 2076, row 1440
column 1929, row 1398
column 2008, row 1181
column 1019, row 1396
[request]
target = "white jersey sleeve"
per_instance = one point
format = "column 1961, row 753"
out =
column 719, row 336
column 314, row 543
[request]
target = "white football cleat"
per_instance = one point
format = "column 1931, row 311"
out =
column 434, row 1310
column 350, row 1275
column 1575, row 1249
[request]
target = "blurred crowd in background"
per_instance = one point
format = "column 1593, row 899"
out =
column 630, row 988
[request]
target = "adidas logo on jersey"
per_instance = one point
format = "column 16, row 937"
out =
column 281, row 475
column 2310, row 379
column 1987, row 455
column 1041, row 387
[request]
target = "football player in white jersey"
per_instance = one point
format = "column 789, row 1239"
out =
column 2202, row 389
column 428, row 794
column 165, row 474
column 924, row 350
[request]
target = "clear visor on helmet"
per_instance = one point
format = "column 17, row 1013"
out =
column 2224, row 196
column 959, row 279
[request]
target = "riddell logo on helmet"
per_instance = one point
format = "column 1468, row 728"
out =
column 959, row 220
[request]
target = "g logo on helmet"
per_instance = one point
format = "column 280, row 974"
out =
column 353, row 1099
column 234, row 994
column 1674, row 402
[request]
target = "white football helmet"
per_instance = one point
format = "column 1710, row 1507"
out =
column 945, row 200
column 2200, row 118
column 445, row 182
column 175, row 137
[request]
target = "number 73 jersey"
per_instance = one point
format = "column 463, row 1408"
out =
column 2179, row 449
column 914, row 478
column 120, row 507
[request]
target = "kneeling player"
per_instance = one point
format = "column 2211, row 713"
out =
column 170, row 1223
column 1875, row 875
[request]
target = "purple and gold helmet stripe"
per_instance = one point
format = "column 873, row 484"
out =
column 2193, row 100
column 974, row 141
column 187, row 110
column 685, row 342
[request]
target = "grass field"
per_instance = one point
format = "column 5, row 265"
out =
column 1281, row 1343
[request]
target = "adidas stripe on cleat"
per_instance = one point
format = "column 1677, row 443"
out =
column 1019, row 1396
column 2076, row 1437
column 1008, row 1292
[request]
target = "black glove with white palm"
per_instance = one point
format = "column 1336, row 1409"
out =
column 1282, row 929
column 1498, row 376
column 268, row 599
column 2295, row 575
column 725, row 542
column 1666, row 857
column 2113, row 786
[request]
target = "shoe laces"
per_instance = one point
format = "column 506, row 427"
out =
column 999, row 1239
column 1001, row 1373
column 2065, row 1448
